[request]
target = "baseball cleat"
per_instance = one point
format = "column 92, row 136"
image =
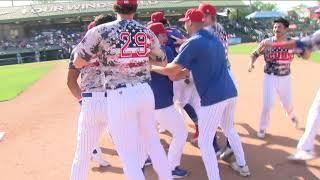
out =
column 179, row 172
column 242, row 170
column 218, row 153
column 98, row 159
column 261, row 134
column 295, row 122
column 302, row 156
column 148, row 162
column 226, row 154
column 194, row 142
column 161, row 130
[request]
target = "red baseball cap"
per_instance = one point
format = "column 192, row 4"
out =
column 206, row 8
column 157, row 28
column 193, row 15
column 157, row 16
column 126, row 2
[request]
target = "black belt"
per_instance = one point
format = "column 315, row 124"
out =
column 90, row 94
column 126, row 85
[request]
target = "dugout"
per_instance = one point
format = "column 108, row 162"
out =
column 23, row 22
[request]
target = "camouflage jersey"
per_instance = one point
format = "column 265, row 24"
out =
column 277, row 60
column 217, row 30
column 312, row 42
column 123, row 48
column 91, row 76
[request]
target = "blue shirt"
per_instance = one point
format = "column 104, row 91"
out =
column 173, row 31
column 162, row 86
column 205, row 56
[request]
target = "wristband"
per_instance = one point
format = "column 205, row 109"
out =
column 300, row 44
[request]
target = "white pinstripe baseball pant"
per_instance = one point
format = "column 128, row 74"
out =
column 210, row 117
column 92, row 122
column 272, row 85
column 312, row 126
column 170, row 119
column 131, row 123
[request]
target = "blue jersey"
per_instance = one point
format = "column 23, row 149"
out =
column 205, row 56
column 173, row 31
column 162, row 86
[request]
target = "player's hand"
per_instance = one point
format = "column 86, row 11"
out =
column 178, row 40
column 251, row 67
column 172, row 78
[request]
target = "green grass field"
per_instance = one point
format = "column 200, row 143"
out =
column 16, row 78
column 246, row 49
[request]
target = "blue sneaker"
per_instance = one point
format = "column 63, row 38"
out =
column 148, row 162
column 179, row 173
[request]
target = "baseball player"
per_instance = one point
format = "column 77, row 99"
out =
column 92, row 97
column 277, row 79
column 19, row 58
column 183, row 89
column 217, row 30
column 85, row 82
column 204, row 55
column 166, row 114
column 124, row 47
column 305, row 147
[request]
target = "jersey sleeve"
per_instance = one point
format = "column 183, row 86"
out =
column 312, row 42
column 186, row 55
column 89, row 45
column 256, row 52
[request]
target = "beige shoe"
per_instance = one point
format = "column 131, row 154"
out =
column 226, row 154
column 242, row 170
column 98, row 159
column 295, row 122
column 261, row 134
column 302, row 156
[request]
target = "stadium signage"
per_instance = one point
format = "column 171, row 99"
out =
column 87, row 6
column 4, row 13
column 67, row 7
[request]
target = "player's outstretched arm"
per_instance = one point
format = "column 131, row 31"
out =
column 183, row 74
column 312, row 42
column 171, row 69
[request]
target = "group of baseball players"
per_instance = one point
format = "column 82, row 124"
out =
column 134, row 79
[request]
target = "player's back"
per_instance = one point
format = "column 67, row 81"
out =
column 124, row 47
column 209, row 70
